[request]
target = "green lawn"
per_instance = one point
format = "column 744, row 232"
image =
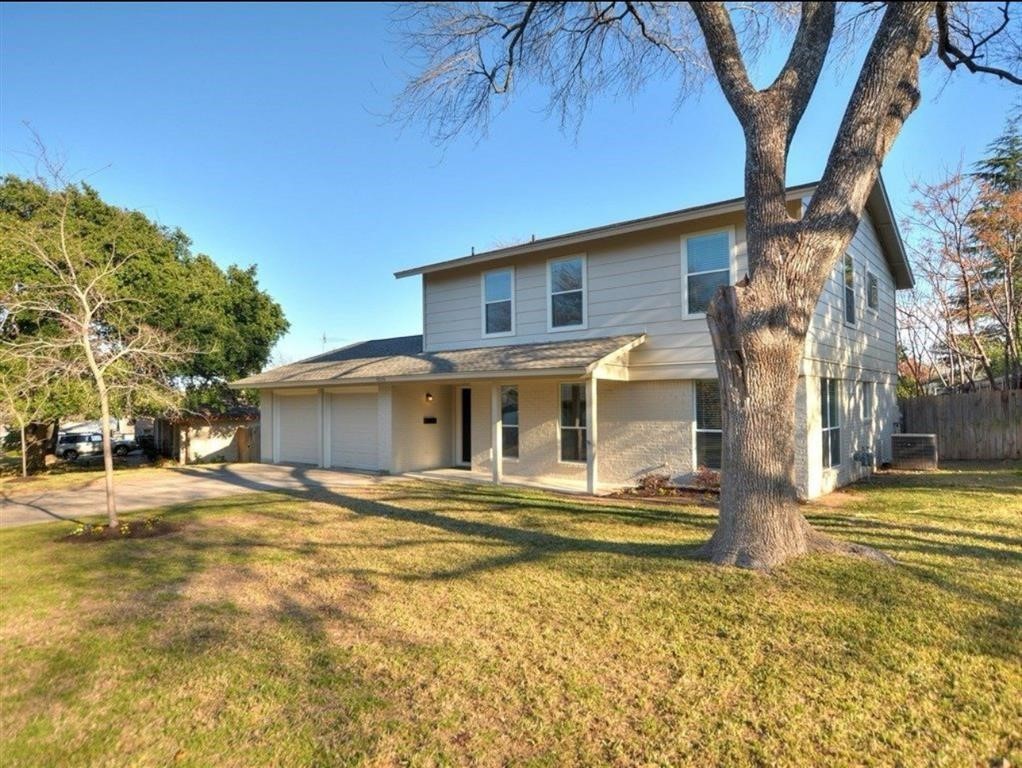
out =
column 429, row 624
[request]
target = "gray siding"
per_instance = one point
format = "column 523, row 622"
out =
column 869, row 345
column 634, row 286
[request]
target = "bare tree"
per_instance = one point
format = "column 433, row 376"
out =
column 86, row 326
column 470, row 52
column 968, row 252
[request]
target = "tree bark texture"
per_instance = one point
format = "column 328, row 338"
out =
column 759, row 326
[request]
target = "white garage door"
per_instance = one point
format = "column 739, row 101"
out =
column 353, row 431
column 299, row 428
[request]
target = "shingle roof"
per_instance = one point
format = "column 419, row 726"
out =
column 404, row 359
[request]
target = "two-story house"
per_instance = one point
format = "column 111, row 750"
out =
column 584, row 361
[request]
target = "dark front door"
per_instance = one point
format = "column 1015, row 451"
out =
column 466, row 426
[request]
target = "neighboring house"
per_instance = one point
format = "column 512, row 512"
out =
column 118, row 426
column 584, row 360
column 229, row 435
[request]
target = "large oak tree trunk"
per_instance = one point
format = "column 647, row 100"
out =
column 760, row 524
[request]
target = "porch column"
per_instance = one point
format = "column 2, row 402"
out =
column 591, row 439
column 496, row 433
column 325, row 420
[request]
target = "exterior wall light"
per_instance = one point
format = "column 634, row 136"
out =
column 429, row 397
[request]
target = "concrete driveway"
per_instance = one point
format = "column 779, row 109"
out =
column 163, row 487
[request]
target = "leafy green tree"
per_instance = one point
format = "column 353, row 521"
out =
column 222, row 315
column 1002, row 167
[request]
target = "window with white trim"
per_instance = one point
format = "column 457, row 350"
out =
column 872, row 291
column 848, row 279
column 830, row 406
column 706, row 265
column 573, row 422
column 866, row 401
column 709, row 434
column 498, row 302
column 567, row 282
column 509, row 422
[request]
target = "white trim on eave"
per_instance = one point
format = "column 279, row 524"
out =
column 583, row 236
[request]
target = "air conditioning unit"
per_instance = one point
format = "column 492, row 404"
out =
column 914, row 451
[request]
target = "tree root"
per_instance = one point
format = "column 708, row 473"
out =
column 820, row 543
column 815, row 542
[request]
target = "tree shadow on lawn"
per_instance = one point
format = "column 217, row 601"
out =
column 896, row 536
column 148, row 609
column 532, row 544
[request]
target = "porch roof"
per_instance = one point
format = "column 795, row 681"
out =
column 385, row 360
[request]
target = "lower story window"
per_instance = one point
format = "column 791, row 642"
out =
column 709, row 437
column 573, row 422
column 509, row 422
column 830, row 403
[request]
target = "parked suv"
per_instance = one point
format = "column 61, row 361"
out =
column 75, row 444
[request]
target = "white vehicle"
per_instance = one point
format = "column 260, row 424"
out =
column 75, row 444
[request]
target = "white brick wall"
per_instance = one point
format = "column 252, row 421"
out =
column 645, row 427
column 538, row 439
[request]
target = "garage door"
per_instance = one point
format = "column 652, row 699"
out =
column 299, row 428
column 353, row 431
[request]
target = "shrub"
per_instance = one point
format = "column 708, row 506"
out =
column 707, row 479
column 655, row 484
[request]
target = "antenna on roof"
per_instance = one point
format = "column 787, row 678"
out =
column 473, row 250
column 326, row 339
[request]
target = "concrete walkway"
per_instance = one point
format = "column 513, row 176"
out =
column 163, row 487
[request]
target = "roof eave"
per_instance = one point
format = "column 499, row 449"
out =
column 879, row 206
column 583, row 236
column 581, row 371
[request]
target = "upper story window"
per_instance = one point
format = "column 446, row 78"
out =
column 566, row 279
column 872, row 291
column 499, row 302
column 849, row 289
column 705, row 265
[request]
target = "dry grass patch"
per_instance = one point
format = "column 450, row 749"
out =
column 430, row 624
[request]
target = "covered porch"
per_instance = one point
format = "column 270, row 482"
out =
column 526, row 414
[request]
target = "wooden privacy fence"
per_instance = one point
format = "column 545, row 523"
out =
column 969, row 425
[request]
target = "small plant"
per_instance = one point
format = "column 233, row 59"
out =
column 655, row 484
column 707, row 479
column 79, row 530
column 125, row 529
column 98, row 530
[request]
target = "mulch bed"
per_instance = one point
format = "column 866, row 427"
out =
column 133, row 529
column 673, row 493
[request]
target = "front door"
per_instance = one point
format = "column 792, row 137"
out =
column 465, row 427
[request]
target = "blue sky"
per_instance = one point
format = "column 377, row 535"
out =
column 257, row 129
